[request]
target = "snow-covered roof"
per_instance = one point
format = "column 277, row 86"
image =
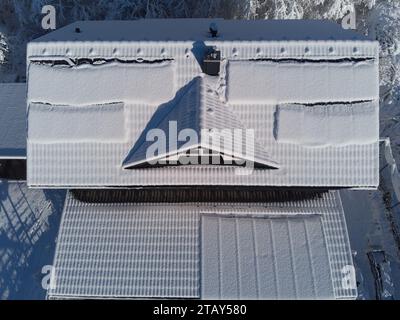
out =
column 293, row 245
column 310, row 97
column 199, row 109
column 160, row 37
column 198, row 30
column 12, row 120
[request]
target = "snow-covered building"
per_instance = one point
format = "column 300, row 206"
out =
column 307, row 91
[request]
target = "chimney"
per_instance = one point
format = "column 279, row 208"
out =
column 211, row 62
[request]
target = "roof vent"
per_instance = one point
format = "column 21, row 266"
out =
column 213, row 30
column 211, row 62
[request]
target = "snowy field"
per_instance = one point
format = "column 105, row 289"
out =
column 29, row 219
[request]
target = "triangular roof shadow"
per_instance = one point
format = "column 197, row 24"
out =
column 216, row 128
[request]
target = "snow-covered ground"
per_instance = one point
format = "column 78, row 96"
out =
column 29, row 221
column 369, row 229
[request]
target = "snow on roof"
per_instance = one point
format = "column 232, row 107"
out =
column 147, row 77
column 110, row 116
column 115, row 82
column 301, row 82
column 12, row 120
column 113, row 250
column 199, row 109
column 335, row 124
column 237, row 38
column 264, row 259
column 198, row 29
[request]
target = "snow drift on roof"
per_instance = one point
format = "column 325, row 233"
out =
column 103, row 123
column 197, row 108
column 296, row 82
column 12, row 120
column 336, row 124
column 87, row 84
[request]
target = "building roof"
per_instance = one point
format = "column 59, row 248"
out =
column 198, row 30
column 200, row 110
column 293, row 245
column 12, row 120
column 99, row 98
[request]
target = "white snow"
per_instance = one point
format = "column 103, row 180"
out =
column 3, row 48
column 370, row 217
column 127, row 250
column 392, row 167
column 321, row 125
column 96, row 163
column 275, row 246
column 70, row 123
column 309, row 82
column 264, row 258
column 197, row 108
column 99, row 84
column 370, row 227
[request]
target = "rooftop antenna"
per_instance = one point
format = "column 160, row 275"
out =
column 213, row 29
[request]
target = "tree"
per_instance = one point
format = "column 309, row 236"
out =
column 3, row 49
column 383, row 24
